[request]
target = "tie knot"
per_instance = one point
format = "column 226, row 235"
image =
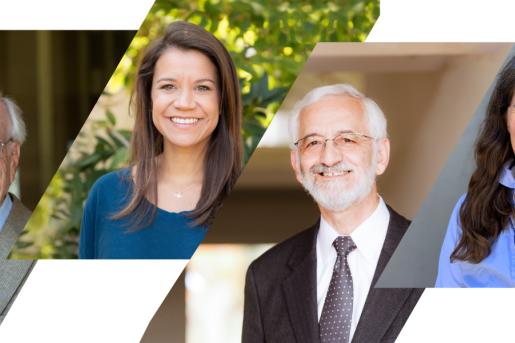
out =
column 344, row 245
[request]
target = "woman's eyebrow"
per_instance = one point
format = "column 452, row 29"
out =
column 166, row 79
column 175, row 80
column 205, row 80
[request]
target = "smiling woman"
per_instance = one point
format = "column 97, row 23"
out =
column 186, row 153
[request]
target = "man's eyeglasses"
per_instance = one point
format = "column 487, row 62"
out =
column 345, row 141
column 3, row 144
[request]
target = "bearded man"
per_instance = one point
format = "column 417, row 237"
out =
column 318, row 285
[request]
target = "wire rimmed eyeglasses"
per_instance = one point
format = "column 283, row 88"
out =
column 348, row 140
column 5, row 143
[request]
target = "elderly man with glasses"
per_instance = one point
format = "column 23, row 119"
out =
column 13, row 215
column 318, row 286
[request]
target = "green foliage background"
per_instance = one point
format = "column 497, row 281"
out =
column 269, row 42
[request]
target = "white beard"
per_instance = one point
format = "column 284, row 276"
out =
column 333, row 194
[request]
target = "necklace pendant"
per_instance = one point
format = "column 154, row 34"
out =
column 178, row 195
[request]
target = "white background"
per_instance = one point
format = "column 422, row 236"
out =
column 73, row 14
column 113, row 301
column 445, row 21
column 89, row 301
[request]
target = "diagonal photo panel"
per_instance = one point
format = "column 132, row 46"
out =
column 283, row 295
column 49, row 81
column 457, row 239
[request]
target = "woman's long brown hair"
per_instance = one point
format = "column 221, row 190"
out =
column 488, row 205
column 223, row 159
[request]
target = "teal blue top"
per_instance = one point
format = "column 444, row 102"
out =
column 169, row 236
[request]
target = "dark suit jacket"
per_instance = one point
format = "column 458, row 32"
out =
column 281, row 293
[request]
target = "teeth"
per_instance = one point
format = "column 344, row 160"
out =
column 336, row 173
column 179, row 120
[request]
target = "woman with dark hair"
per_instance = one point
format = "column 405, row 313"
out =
column 185, row 153
column 479, row 247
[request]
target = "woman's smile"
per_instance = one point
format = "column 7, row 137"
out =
column 185, row 121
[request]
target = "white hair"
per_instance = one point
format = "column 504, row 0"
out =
column 18, row 132
column 375, row 116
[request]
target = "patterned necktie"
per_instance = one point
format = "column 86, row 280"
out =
column 336, row 315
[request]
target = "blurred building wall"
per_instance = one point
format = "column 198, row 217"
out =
column 55, row 77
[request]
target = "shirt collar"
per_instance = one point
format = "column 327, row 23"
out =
column 5, row 209
column 507, row 179
column 368, row 236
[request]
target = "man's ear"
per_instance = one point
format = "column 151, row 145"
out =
column 383, row 155
column 295, row 164
column 14, row 158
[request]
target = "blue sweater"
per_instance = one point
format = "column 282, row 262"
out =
column 169, row 236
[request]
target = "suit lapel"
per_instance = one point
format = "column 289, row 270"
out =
column 300, row 290
column 383, row 304
column 396, row 229
column 381, row 307
column 13, row 227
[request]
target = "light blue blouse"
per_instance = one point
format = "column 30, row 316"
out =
column 496, row 270
column 5, row 209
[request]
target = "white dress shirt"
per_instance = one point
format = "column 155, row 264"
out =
column 369, row 238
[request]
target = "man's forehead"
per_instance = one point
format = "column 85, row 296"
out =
column 338, row 111
column 341, row 100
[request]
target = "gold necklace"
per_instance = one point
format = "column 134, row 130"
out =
column 180, row 194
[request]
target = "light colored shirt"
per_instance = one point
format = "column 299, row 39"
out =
column 495, row 270
column 5, row 209
column 369, row 239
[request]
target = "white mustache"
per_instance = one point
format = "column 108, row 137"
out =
column 337, row 168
